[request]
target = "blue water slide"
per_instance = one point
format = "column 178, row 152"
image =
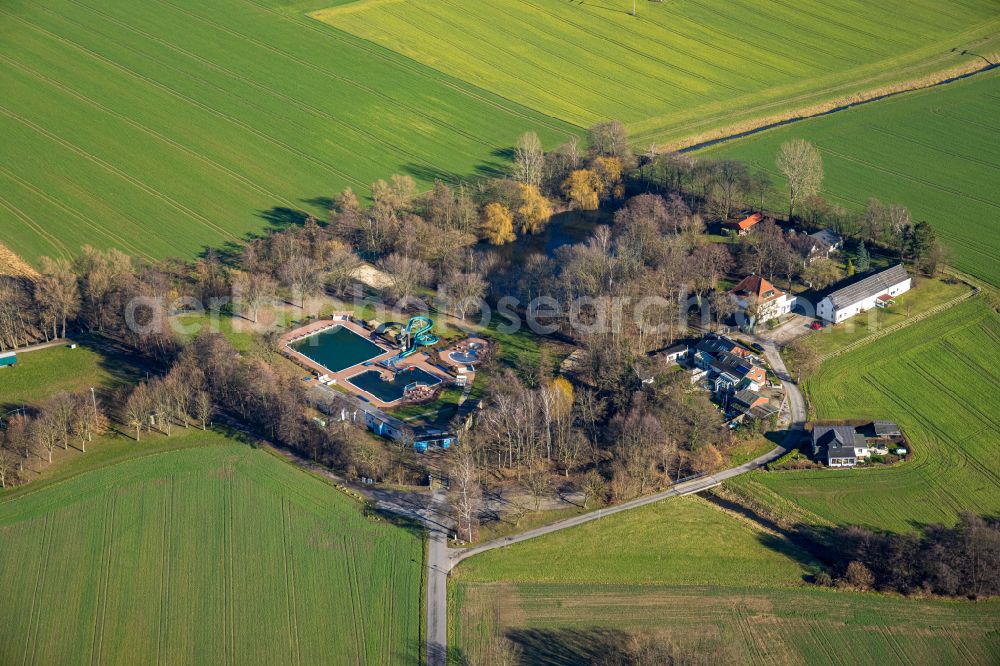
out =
column 416, row 335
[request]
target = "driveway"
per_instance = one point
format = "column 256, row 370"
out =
column 794, row 328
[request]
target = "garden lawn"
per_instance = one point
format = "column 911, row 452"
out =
column 686, row 572
column 935, row 151
column 936, row 379
column 678, row 69
column 217, row 553
column 163, row 127
column 42, row 373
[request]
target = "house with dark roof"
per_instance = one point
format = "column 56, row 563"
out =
column 841, row 445
column 760, row 300
column 828, row 240
column 863, row 294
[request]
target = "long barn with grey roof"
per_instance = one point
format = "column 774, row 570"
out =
column 864, row 294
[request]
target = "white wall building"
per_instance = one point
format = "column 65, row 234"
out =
column 863, row 295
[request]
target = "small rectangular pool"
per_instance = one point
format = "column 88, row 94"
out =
column 337, row 348
column 371, row 381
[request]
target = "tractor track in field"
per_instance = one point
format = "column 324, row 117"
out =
column 193, row 102
column 555, row 54
column 384, row 144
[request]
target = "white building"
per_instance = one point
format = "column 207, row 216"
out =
column 757, row 295
column 864, row 294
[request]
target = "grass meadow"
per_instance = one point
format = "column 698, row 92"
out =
column 936, row 379
column 216, row 553
column 934, row 151
column 679, row 68
column 684, row 570
column 160, row 128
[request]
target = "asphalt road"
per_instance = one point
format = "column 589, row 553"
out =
column 441, row 559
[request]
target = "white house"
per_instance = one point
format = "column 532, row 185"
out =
column 829, row 240
column 864, row 294
column 770, row 302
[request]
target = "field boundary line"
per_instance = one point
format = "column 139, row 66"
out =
column 872, row 337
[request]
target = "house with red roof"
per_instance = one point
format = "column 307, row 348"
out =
column 744, row 225
column 760, row 300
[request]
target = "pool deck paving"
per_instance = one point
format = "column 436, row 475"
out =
column 342, row 378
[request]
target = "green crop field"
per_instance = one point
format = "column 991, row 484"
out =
column 934, row 151
column 214, row 554
column 163, row 127
column 679, row 68
column 684, row 570
column 935, row 379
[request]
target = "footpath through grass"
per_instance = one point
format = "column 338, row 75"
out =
column 690, row 573
column 678, row 69
column 217, row 553
column 935, row 379
column 934, row 151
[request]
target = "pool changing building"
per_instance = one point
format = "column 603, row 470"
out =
column 864, row 294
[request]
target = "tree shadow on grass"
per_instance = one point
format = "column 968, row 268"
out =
column 568, row 647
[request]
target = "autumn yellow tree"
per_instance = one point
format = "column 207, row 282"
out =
column 535, row 210
column 498, row 224
column 609, row 172
column 582, row 188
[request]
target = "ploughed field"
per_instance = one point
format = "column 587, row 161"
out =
column 934, row 378
column 162, row 127
column 679, row 68
column 684, row 571
column 216, row 553
column 934, row 151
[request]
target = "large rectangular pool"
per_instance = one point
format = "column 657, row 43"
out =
column 337, row 348
column 372, row 382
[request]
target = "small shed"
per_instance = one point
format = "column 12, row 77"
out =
column 886, row 429
column 8, row 359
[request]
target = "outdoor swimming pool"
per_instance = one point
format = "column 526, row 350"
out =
column 467, row 357
column 337, row 348
column 371, row 381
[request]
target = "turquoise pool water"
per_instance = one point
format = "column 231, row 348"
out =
column 372, row 382
column 337, row 348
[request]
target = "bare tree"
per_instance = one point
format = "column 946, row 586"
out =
column 202, row 407
column 301, row 277
column 536, row 483
column 406, row 275
column 529, row 159
column 8, row 463
column 45, row 433
column 137, row 408
column 465, row 291
column 800, row 162
column 253, row 290
column 466, row 495
column 57, row 293
column 593, row 487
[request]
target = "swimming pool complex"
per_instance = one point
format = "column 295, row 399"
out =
column 337, row 348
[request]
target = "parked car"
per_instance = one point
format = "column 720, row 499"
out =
column 816, row 325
